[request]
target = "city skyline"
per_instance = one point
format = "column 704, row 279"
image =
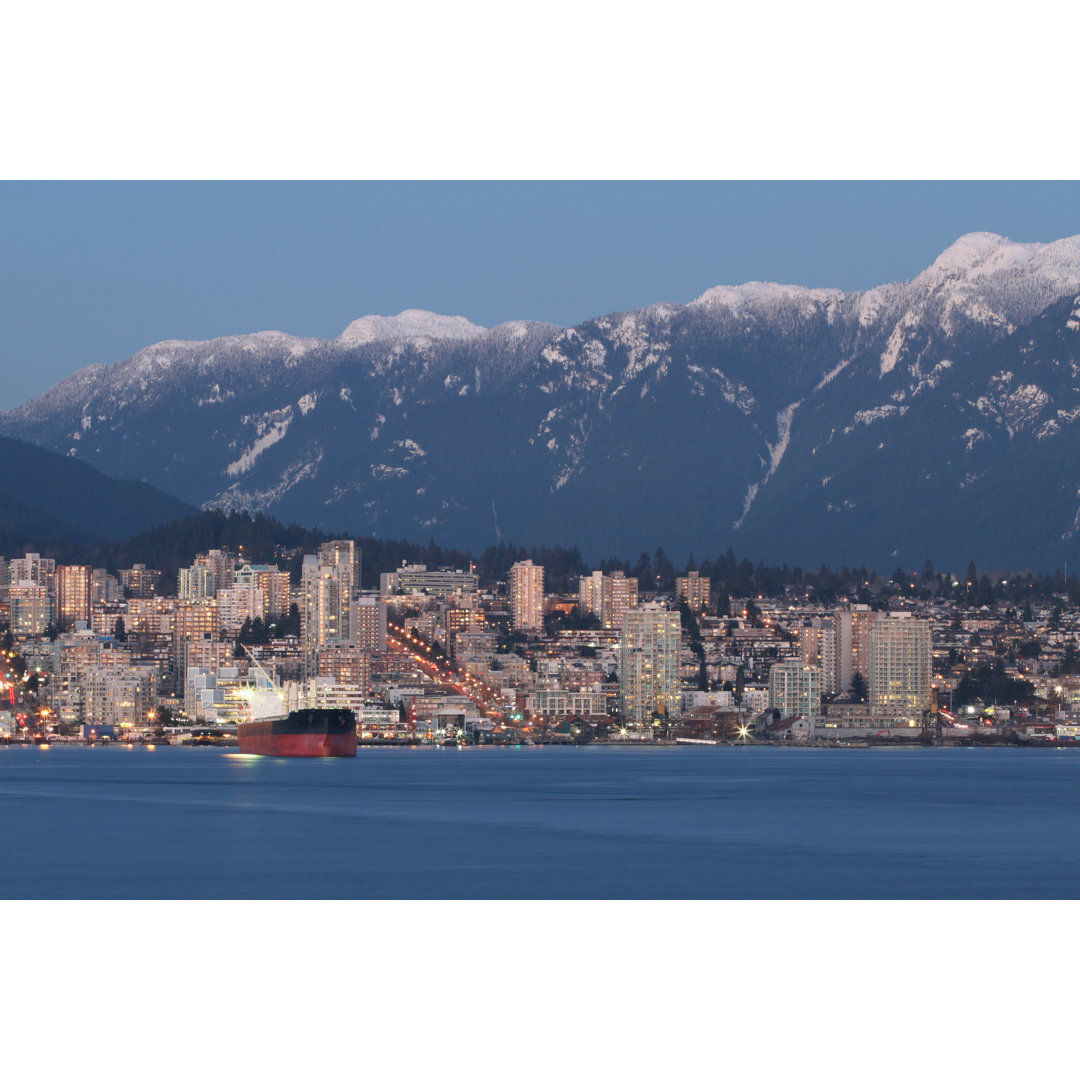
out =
column 430, row 658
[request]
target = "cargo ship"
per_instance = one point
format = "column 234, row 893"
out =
column 303, row 732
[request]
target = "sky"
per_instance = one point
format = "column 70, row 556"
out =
column 90, row 272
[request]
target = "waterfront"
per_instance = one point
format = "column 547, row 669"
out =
column 541, row 822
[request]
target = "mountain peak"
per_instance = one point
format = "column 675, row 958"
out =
column 411, row 323
column 981, row 254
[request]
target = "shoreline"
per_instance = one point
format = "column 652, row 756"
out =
column 881, row 744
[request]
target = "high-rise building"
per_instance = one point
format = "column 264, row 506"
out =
column 852, row 644
column 140, row 581
column 344, row 557
column 465, row 617
column 31, row 608
column 195, row 627
column 119, row 694
column 817, row 648
column 274, row 584
column 649, row 662
column 347, row 665
column 369, row 622
column 150, row 615
column 526, row 596
column 222, row 564
column 104, row 589
column 238, row 603
column 795, row 689
column 33, row 568
column 196, row 583
column 73, row 587
column 590, row 588
column 900, row 663
column 324, row 609
column 607, row 596
column 694, row 589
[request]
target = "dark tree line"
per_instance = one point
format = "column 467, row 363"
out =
column 562, row 566
column 265, row 540
column 989, row 683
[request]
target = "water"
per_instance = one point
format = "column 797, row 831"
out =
column 541, row 822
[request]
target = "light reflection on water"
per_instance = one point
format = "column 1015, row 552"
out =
column 708, row 822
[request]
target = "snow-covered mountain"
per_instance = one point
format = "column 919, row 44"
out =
column 936, row 417
column 410, row 324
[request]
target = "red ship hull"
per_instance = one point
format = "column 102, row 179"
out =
column 304, row 733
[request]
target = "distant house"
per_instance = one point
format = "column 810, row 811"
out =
column 791, row 728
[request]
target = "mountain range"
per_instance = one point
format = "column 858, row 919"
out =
column 936, row 418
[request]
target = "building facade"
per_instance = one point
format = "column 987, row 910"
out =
column 607, row 596
column 817, row 648
column 649, row 663
column 526, row 596
column 900, row 663
column 73, row 591
column 795, row 689
column 694, row 589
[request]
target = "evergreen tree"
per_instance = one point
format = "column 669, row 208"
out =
column 288, row 625
column 858, row 686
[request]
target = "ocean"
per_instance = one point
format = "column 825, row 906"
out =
column 542, row 822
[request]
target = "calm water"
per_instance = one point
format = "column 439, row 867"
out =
column 541, row 822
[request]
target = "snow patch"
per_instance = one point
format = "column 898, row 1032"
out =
column 234, row 498
column 783, row 438
column 269, row 429
column 411, row 323
column 748, row 501
column 776, row 454
column 759, row 294
column 1054, row 425
column 593, row 353
column 972, row 437
column 895, row 345
column 412, row 449
column 216, row 397
column 870, row 416
column 832, row 373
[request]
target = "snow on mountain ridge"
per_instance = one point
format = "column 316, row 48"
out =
column 758, row 293
column 411, row 323
column 260, row 340
column 993, row 279
column 981, row 254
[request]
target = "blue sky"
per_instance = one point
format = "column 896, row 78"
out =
column 92, row 272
